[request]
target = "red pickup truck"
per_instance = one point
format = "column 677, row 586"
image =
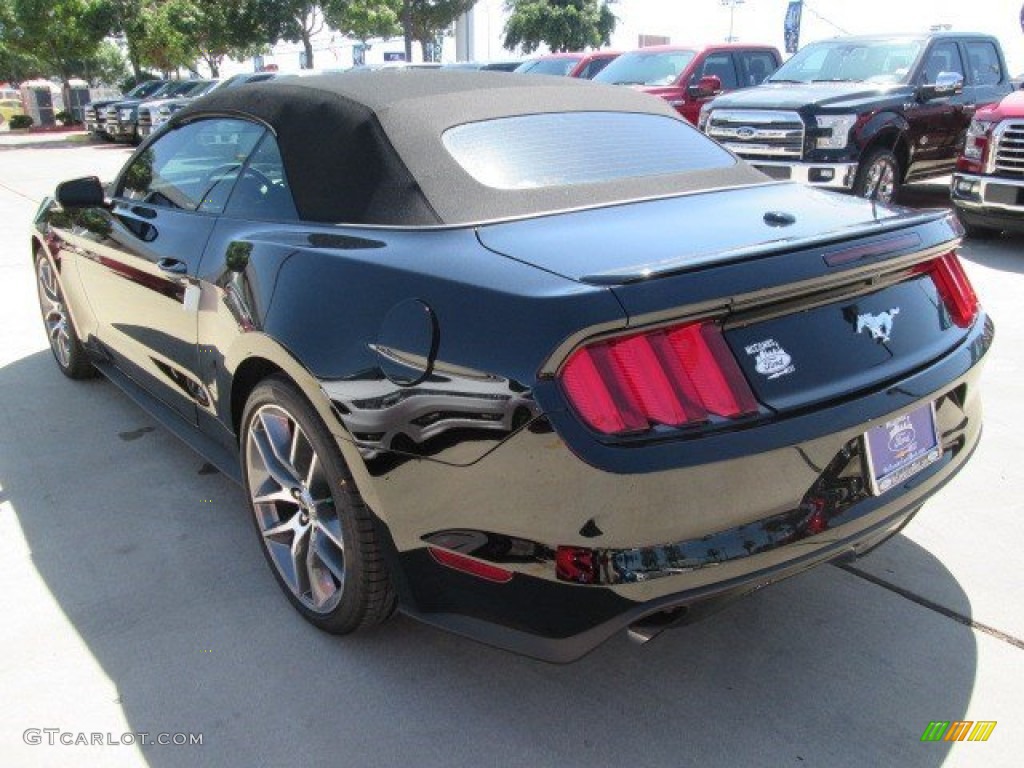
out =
column 688, row 76
column 988, row 185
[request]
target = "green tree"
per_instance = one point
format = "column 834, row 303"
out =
column 564, row 25
column 128, row 20
column 363, row 19
column 57, row 34
column 424, row 20
column 165, row 39
column 297, row 21
column 107, row 66
column 177, row 32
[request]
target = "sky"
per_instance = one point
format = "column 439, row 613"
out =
column 760, row 21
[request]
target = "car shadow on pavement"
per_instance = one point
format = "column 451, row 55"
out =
column 155, row 564
column 1005, row 253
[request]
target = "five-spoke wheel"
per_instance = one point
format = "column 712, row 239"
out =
column 315, row 529
column 64, row 343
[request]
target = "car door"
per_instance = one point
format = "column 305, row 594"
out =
column 718, row 63
column 755, row 66
column 939, row 122
column 140, row 278
column 986, row 74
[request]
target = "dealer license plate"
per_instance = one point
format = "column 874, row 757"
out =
column 899, row 449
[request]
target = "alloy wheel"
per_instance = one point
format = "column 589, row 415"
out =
column 295, row 509
column 55, row 314
column 881, row 181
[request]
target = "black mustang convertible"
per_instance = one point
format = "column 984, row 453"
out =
column 528, row 359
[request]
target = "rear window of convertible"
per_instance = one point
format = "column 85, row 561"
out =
column 570, row 148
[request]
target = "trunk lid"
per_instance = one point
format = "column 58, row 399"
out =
column 818, row 295
column 631, row 242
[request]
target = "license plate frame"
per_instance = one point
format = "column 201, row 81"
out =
column 900, row 448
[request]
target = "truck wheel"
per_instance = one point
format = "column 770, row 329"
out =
column 878, row 177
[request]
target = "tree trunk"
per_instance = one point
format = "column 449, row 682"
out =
column 133, row 59
column 307, row 44
column 407, row 28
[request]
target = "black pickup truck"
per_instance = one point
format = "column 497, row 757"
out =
column 863, row 114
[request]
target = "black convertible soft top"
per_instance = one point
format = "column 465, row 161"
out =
column 367, row 148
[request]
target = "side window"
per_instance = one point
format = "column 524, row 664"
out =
column 262, row 190
column 594, row 67
column 755, row 67
column 943, row 57
column 720, row 65
column 193, row 167
column 984, row 62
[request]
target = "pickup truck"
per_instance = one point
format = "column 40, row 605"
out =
column 988, row 186
column 688, row 77
column 863, row 114
column 95, row 111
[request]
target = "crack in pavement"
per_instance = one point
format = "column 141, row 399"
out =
column 19, row 193
column 924, row 602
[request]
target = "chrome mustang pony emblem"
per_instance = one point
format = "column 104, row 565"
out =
column 879, row 325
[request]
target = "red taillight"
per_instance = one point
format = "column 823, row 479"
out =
column 954, row 288
column 671, row 376
column 470, row 566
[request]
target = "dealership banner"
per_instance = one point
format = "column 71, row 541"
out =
column 791, row 29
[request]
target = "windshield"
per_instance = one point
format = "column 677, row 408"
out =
column 142, row 90
column 876, row 61
column 560, row 66
column 197, row 88
column 640, row 68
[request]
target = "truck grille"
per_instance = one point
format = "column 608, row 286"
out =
column 758, row 134
column 110, row 114
column 1009, row 150
column 145, row 118
column 90, row 114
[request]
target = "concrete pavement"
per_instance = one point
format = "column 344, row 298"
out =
column 134, row 598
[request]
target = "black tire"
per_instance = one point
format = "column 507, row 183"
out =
column 67, row 349
column 879, row 176
column 363, row 595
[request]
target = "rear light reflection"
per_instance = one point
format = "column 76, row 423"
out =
column 954, row 288
column 578, row 565
column 672, row 376
column 471, row 566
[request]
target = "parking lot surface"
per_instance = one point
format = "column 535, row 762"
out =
column 135, row 600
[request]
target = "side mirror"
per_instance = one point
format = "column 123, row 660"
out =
column 946, row 84
column 706, row 87
column 86, row 192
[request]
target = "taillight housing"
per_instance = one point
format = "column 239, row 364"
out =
column 954, row 288
column 976, row 147
column 677, row 376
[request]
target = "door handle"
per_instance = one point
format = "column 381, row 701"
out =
column 173, row 266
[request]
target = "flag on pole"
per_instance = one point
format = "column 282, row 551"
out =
column 791, row 28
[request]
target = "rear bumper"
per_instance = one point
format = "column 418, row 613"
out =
column 825, row 175
column 989, row 201
column 678, row 532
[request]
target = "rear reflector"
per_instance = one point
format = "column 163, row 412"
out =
column 673, row 376
column 954, row 288
column 470, row 566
